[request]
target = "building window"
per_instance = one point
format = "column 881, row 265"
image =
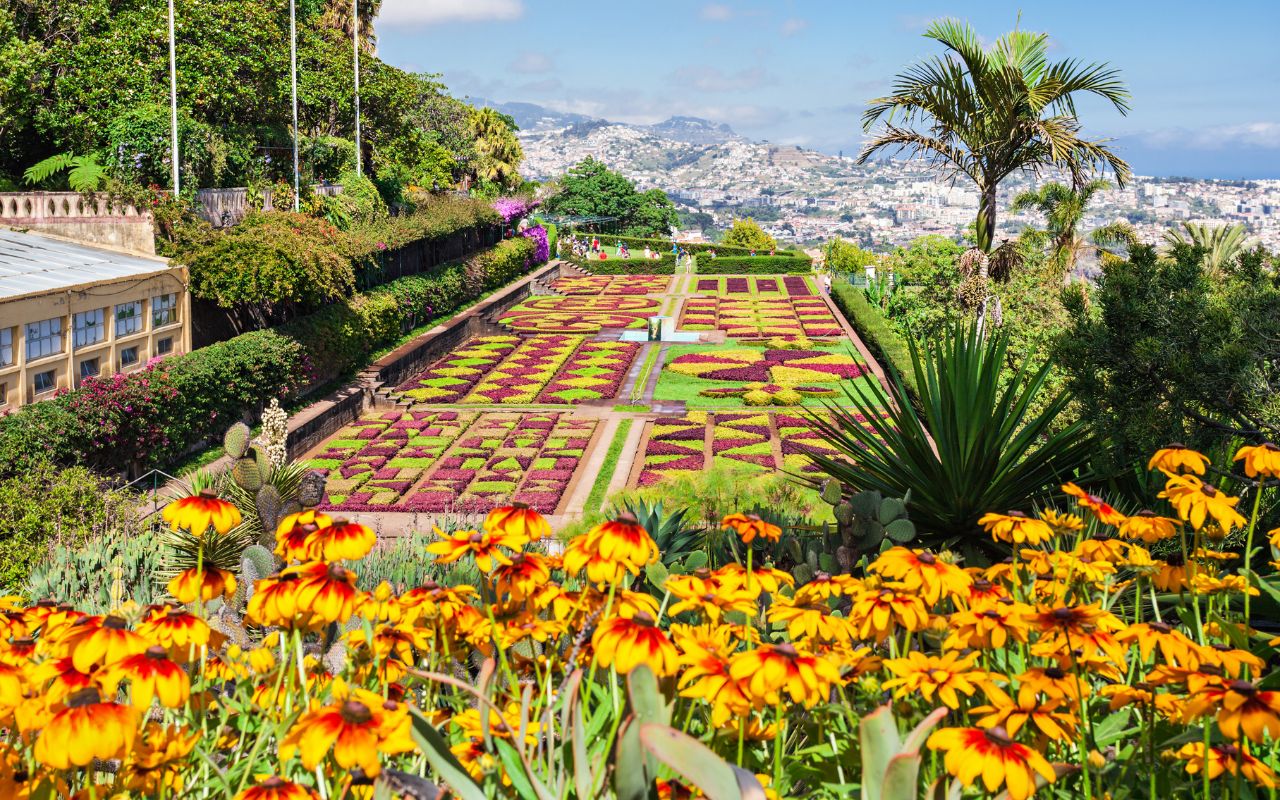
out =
column 164, row 345
column 44, row 338
column 128, row 318
column 88, row 368
column 129, row 356
column 4, row 395
column 6, row 347
column 44, row 382
column 89, row 327
column 164, row 309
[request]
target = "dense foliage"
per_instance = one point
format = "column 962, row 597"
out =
column 763, row 264
column 92, row 78
column 748, row 235
column 49, row 504
column 1164, row 350
column 591, row 189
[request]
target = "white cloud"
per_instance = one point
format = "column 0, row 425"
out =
column 433, row 12
column 716, row 12
column 1264, row 135
column 532, row 63
column 712, row 79
column 793, row 26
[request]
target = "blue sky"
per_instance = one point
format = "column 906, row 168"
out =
column 1205, row 79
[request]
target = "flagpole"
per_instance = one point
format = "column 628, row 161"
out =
column 173, row 106
column 293, row 75
column 355, row 25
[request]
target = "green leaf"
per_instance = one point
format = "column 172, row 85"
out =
column 878, row 733
column 900, row 530
column 647, row 702
column 443, row 762
column 696, row 560
column 631, row 778
column 1112, row 729
column 514, row 769
column 698, row 765
column 900, row 779
column 657, row 575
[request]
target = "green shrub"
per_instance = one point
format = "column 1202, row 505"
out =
column 629, row 266
column 664, row 246
column 361, row 197
column 48, row 505
column 753, row 265
column 102, row 572
column 879, row 335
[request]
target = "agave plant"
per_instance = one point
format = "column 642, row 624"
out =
column 974, row 445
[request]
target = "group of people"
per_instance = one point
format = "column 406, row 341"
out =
column 591, row 248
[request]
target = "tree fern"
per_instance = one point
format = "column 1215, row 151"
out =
column 84, row 173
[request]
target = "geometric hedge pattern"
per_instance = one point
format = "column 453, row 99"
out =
column 761, row 318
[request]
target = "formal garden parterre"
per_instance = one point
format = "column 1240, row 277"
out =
column 595, row 285
column 761, row 318
column 577, row 314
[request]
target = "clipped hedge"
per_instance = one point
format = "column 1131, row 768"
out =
column 664, row 246
column 628, row 266
column 876, row 331
column 206, row 390
column 753, row 265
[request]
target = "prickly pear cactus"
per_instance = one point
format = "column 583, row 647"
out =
column 311, row 491
column 865, row 521
column 247, row 474
column 236, row 440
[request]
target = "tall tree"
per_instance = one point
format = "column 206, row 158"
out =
column 498, row 151
column 1221, row 244
column 1063, row 208
column 986, row 113
column 591, row 189
column 748, row 233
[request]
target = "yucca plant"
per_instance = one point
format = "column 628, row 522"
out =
column 973, row 445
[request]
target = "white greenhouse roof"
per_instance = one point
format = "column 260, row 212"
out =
column 31, row 264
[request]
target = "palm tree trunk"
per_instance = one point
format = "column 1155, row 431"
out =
column 987, row 211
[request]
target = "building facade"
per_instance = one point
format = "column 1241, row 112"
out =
column 70, row 311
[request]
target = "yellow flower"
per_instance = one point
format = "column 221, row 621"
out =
column 1149, row 527
column 158, row 760
column 610, row 548
column 519, row 521
column 1062, row 523
column 922, row 572
column 275, row 788
column 103, row 644
column 294, row 540
column 989, row 627
column 1229, row 758
column 1242, row 708
column 811, row 619
column 993, row 755
column 199, row 512
column 627, row 642
column 877, row 613
column 749, row 526
column 769, row 672
column 1052, row 717
column 341, row 541
column 151, row 675
column 707, row 597
column 1016, row 527
column 1100, row 508
column 86, row 729
column 206, row 584
column 947, row 676
column 1195, row 500
column 485, row 546
column 1204, row 583
column 1263, row 459
column 1178, row 458
column 357, row 726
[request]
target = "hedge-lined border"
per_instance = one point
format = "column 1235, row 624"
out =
column 753, row 265
column 875, row 329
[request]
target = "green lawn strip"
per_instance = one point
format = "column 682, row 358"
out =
column 640, row 409
column 598, row 489
column 646, row 369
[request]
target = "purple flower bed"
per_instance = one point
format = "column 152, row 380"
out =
column 796, row 286
column 736, row 286
column 513, row 208
column 708, row 285
column 766, row 285
column 541, row 245
column 685, row 435
column 657, row 448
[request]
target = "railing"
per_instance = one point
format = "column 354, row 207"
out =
column 225, row 207
column 152, row 483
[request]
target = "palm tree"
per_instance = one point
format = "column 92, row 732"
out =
column 1221, row 243
column 988, row 113
column 498, row 150
column 1063, row 208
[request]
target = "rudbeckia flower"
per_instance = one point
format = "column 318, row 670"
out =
column 877, row 613
column 275, row 788
column 1178, row 458
column 923, row 572
column 1242, row 708
column 1148, row 526
column 1172, row 574
column 524, row 576
column 275, row 600
column 1016, row 527
column 948, row 676
column 712, row 602
column 610, row 549
column 357, row 727
column 1227, row 758
column 86, row 729
column 485, row 546
column 769, row 672
column 206, row 584
column 199, row 512
column 993, row 755
column 1195, row 501
column 158, row 759
column 627, row 642
column 812, row 619
column 1100, row 508
column 177, row 629
column 327, row 592
column 151, row 675
column 1260, row 460
column 342, row 541
column 1174, row 646
column 1053, row 717
column 988, row 627
column 749, row 526
column 294, row 541
column 518, row 521
column 104, row 644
